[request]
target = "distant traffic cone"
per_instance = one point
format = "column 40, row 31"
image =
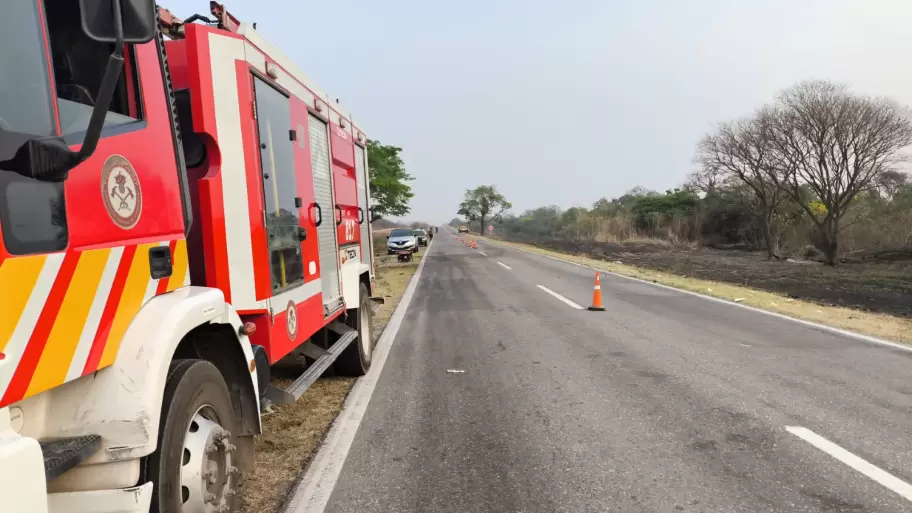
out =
column 597, row 296
column 474, row 245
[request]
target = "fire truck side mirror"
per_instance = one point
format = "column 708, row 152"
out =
column 110, row 21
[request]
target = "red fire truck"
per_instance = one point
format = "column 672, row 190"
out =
column 180, row 208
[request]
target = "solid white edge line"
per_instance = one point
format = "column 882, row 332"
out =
column 884, row 478
column 312, row 493
column 558, row 296
column 505, row 266
column 812, row 324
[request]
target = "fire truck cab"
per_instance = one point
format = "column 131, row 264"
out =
column 180, row 209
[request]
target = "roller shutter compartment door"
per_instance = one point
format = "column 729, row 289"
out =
column 367, row 254
column 323, row 195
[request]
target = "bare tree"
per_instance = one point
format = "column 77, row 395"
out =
column 707, row 180
column 739, row 155
column 830, row 145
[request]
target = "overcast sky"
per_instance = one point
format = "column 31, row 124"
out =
column 564, row 102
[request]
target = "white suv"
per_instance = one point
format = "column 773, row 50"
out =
column 401, row 239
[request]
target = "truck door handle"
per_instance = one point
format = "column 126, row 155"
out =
column 360, row 215
column 160, row 265
column 339, row 221
column 319, row 220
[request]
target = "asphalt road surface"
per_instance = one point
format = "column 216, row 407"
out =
column 665, row 402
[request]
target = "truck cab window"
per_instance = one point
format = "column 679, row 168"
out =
column 33, row 214
column 79, row 64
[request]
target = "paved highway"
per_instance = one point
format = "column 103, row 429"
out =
column 666, row 402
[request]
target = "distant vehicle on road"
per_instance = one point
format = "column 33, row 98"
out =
column 422, row 237
column 401, row 239
column 463, row 229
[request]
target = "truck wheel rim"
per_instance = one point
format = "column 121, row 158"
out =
column 364, row 334
column 206, row 470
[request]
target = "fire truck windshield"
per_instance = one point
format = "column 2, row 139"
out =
column 25, row 95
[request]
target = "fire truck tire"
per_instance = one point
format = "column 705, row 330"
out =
column 356, row 359
column 192, row 469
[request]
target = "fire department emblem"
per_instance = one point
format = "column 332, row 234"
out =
column 120, row 192
column 291, row 320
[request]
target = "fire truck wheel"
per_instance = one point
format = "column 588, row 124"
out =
column 192, row 469
column 356, row 359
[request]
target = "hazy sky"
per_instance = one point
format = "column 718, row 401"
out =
column 564, row 102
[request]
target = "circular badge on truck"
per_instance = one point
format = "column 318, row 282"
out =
column 291, row 320
column 121, row 192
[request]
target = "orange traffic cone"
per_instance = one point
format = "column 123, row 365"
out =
column 597, row 296
column 474, row 245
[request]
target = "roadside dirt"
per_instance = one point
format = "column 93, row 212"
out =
column 293, row 433
column 880, row 287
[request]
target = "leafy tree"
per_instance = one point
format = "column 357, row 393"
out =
column 727, row 219
column 674, row 203
column 483, row 203
column 891, row 183
column 390, row 195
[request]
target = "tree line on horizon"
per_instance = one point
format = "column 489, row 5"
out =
column 815, row 173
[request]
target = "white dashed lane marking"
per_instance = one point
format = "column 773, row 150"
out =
column 562, row 298
column 882, row 477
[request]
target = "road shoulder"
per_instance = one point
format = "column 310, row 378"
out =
column 313, row 490
column 293, row 434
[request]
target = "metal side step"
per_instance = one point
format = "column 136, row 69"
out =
column 62, row 454
column 339, row 328
column 316, row 369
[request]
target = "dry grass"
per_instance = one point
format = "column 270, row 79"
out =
column 877, row 325
column 291, row 436
column 392, row 278
column 293, row 433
